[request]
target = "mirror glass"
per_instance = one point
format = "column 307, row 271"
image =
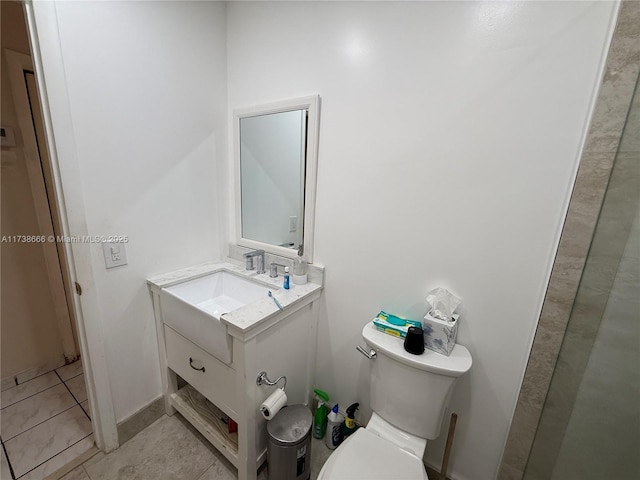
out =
column 272, row 166
column 275, row 150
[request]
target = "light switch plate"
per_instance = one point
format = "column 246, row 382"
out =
column 115, row 254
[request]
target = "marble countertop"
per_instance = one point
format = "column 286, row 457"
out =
column 252, row 314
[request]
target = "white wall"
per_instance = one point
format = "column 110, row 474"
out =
column 449, row 137
column 147, row 98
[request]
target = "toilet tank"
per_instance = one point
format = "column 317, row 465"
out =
column 412, row 391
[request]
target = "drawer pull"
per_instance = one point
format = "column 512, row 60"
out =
column 201, row 369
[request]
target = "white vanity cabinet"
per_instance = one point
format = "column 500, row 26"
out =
column 263, row 338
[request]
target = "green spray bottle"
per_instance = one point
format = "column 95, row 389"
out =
column 320, row 415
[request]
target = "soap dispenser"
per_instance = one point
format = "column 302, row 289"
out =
column 299, row 276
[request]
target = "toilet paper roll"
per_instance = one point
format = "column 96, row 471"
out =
column 273, row 403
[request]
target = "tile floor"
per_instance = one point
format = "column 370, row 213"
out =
column 45, row 423
column 171, row 449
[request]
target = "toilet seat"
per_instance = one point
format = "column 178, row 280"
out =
column 366, row 456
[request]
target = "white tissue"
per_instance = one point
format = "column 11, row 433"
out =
column 273, row 403
column 443, row 304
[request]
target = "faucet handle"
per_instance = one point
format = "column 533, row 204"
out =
column 249, row 260
column 273, row 269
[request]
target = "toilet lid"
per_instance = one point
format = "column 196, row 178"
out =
column 366, row 456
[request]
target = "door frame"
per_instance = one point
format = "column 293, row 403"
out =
column 44, row 40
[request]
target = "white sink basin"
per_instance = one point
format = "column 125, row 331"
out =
column 193, row 308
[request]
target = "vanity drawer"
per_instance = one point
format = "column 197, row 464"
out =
column 205, row 373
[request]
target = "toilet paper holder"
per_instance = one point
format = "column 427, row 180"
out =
column 263, row 379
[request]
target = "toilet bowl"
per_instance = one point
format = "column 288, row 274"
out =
column 409, row 394
column 368, row 454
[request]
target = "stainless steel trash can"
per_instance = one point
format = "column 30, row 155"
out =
column 289, row 445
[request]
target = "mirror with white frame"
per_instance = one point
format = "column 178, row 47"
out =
column 275, row 156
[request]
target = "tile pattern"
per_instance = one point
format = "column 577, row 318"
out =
column 34, row 410
column 602, row 144
column 60, row 460
column 77, row 388
column 69, row 371
column 171, row 448
column 7, row 383
column 20, row 392
column 40, row 443
column 87, row 409
column 5, row 471
column 32, row 373
column 166, row 450
column 44, row 424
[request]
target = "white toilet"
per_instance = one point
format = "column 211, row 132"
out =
column 409, row 394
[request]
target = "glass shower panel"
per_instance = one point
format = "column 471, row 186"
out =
column 590, row 423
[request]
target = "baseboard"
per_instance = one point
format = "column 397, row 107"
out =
column 433, row 473
column 134, row 424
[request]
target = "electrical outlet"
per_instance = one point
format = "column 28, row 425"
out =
column 293, row 223
column 114, row 254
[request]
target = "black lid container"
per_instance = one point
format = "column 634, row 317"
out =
column 414, row 341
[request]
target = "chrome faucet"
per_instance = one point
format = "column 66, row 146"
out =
column 273, row 269
column 249, row 260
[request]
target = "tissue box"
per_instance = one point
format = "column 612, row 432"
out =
column 440, row 335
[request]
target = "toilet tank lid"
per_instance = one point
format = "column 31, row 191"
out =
column 455, row 365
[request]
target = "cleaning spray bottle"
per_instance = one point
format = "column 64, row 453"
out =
column 320, row 415
column 334, row 428
column 350, row 422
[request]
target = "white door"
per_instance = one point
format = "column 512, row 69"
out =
column 27, row 105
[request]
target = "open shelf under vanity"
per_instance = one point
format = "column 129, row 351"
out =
column 207, row 419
